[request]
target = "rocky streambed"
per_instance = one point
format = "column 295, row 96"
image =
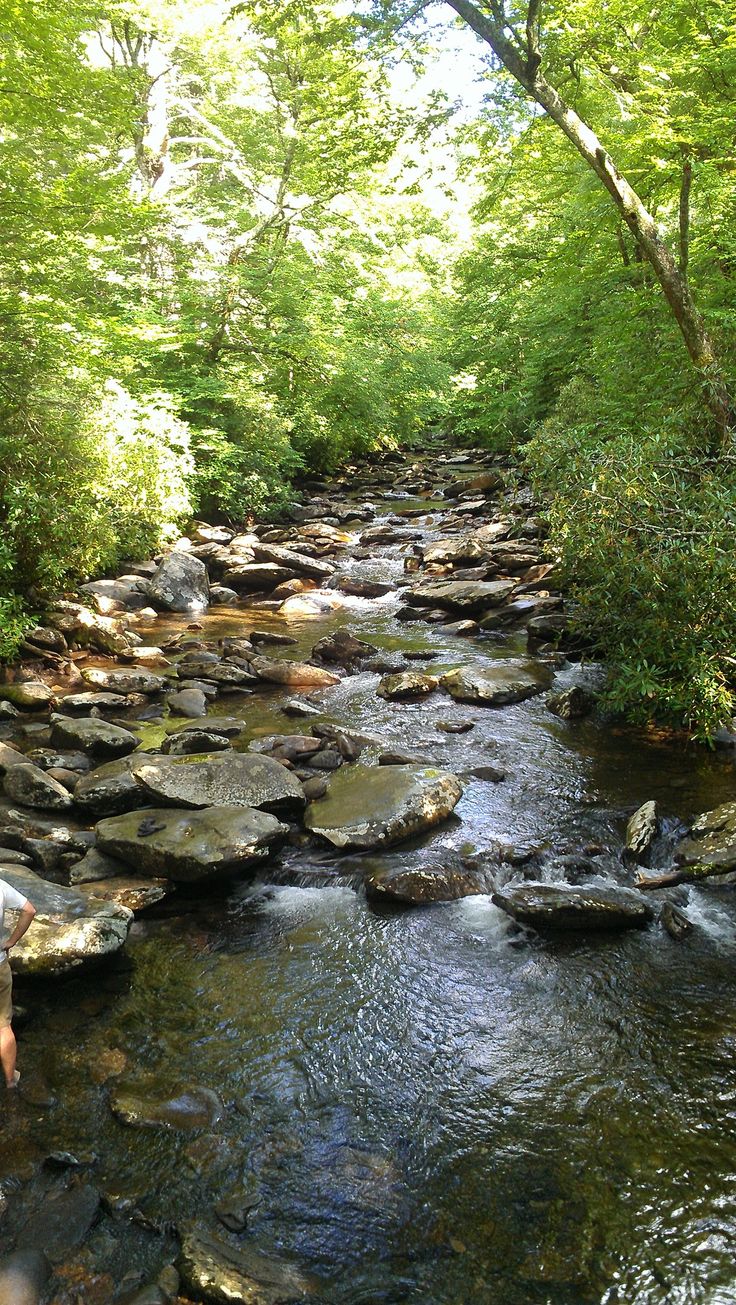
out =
column 344, row 985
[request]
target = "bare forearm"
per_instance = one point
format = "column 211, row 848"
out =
column 23, row 924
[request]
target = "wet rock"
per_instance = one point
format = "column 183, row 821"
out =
column 70, row 930
column 571, row 704
column 32, row 695
column 193, row 1107
column 499, row 684
column 551, row 627
column 407, row 684
column 130, row 891
column 180, row 584
column 641, row 831
column 368, row 807
column 260, row 637
column 341, row 648
column 24, row 1276
column 123, row 682
column 32, row 787
column 194, row 740
column 224, row 674
column 488, row 774
column 63, row 1222
column 110, row 789
column 424, row 884
column 228, row 727
column 292, row 707
column 676, row 923
column 230, row 779
column 455, row 726
column 311, row 604
column 463, row 596
column 712, row 841
column 101, row 740
column 362, row 588
column 563, row 907
column 253, row 576
column 188, row 702
column 188, row 846
column 293, row 674
column 85, row 702
column 217, row 1273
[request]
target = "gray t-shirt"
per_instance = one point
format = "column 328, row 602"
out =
column 13, row 900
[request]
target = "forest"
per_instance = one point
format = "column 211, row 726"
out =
column 249, row 242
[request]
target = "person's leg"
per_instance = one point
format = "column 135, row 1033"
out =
column 7, row 1056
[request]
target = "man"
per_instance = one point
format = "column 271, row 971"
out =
column 10, row 899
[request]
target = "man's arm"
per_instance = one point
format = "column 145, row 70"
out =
column 25, row 917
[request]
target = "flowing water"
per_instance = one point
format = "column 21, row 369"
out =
column 425, row 1105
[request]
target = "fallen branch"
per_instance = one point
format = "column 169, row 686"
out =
column 685, row 874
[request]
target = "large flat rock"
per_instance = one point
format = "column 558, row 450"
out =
column 463, row 596
column 368, row 807
column 71, row 929
column 712, row 840
column 564, row 907
column 499, row 684
column 189, row 846
column 221, row 779
column 99, row 738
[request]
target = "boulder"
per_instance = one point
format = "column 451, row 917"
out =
column 712, row 841
column 31, row 695
column 462, row 596
column 188, row 702
column 100, row 739
column 81, row 626
column 135, row 680
column 311, row 567
column 232, row 779
column 369, row 807
column 642, row 830
column 9, row 756
column 190, row 846
column 456, row 551
column 407, row 684
column 180, row 584
column 32, row 787
column 342, row 649
column 221, row 1274
column 258, row 576
column 423, row 885
column 70, row 930
column 111, row 789
column 498, row 684
column 293, row 674
column 564, row 907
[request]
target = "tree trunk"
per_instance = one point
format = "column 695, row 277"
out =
column 523, row 62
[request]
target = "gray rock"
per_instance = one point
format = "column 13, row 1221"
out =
column 94, row 867
column 462, row 596
column 571, row 704
column 188, row 702
column 258, row 576
column 86, row 628
column 111, row 789
column 9, row 756
column 188, row 846
column 642, row 830
column 194, row 740
column 230, row 779
column 368, row 807
column 499, row 684
column 70, row 930
column 32, row 787
column 676, row 923
column 216, row 1272
column 84, row 702
column 135, row 680
column 564, row 907
column 228, row 727
column 180, row 584
column 292, row 707
column 407, row 684
column 311, row 567
column 712, row 841
column 224, row 674
column 222, row 596
column 100, row 739
column 192, row 1107
column 23, row 1277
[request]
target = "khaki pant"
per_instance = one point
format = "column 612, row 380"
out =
column 6, row 995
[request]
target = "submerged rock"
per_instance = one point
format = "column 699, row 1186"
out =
column 191, row 1108
column 70, row 931
column 228, row 778
column 180, row 584
column 497, row 685
column 188, row 846
column 216, row 1272
column 563, row 907
column 369, row 807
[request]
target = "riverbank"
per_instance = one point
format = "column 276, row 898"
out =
column 224, row 799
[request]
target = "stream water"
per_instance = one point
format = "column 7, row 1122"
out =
column 423, row 1105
